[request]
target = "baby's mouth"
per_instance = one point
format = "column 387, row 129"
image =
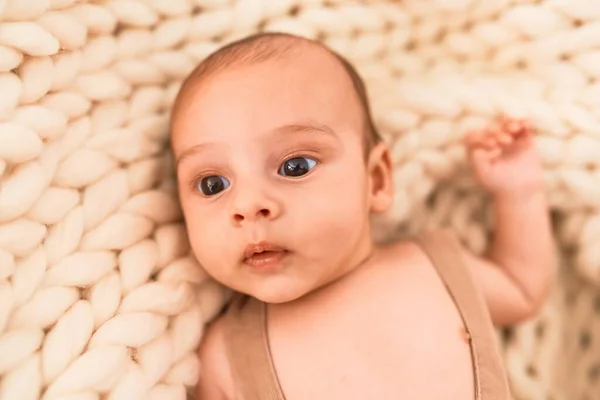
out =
column 264, row 256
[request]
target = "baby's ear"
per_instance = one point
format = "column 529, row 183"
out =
column 381, row 188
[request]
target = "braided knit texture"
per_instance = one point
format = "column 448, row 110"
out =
column 100, row 297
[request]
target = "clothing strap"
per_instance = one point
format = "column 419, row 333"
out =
column 248, row 350
column 444, row 250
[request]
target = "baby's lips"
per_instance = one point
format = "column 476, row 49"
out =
column 261, row 247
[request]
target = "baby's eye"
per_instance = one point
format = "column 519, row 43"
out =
column 297, row 166
column 212, row 185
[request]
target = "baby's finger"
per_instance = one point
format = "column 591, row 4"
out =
column 502, row 120
column 484, row 158
column 519, row 128
column 513, row 127
column 494, row 130
column 527, row 126
column 480, row 157
column 491, row 142
column 523, row 141
column 504, row 139
column 476, row 139
column 471, row 137
column 494, row 154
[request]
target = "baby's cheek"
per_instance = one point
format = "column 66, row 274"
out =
column 208, row 243
column 336, row 222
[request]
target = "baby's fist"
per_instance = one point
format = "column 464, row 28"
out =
column 504, row 159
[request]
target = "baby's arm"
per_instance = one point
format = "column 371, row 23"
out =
column 215, row 376
column 520, row 265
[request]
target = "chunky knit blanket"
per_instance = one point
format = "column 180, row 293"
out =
column 100, row 297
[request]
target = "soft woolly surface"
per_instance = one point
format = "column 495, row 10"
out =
column 99, row 296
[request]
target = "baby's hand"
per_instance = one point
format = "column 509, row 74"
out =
column 504, row 158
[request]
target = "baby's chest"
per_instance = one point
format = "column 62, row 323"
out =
column 388, row 345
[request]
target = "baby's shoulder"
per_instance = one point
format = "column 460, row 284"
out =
column 421, row 249
column 393, row 266
column 401, row 252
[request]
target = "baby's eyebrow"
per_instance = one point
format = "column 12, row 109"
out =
column 189, row 152
column 301, row 129
column 289, row 130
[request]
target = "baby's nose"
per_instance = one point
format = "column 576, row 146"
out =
column 243, row 216
column 254, row 206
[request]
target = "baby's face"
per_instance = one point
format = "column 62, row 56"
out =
column 270, row 158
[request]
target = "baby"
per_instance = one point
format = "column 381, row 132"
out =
column 279, row 169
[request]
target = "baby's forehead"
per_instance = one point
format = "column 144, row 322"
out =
column 305, row 66
column 309, row 69
column 282, row 52
column 308, row 64
column 302, row 85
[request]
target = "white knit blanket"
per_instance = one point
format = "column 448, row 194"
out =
column 99, row 296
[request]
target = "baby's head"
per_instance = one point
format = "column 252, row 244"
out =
column 276, row 151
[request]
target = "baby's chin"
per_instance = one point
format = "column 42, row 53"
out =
column 275, row 289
